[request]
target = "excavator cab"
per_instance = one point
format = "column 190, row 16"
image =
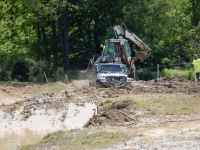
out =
column 110, row 49
column 113, row 49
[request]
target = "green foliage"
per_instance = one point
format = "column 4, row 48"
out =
column 64, row 76
column 53, row 75
column 169, row 28
column 20, row 70
column 165, row 61
column 5, row 75
column 187, row 74
column 183, row 70
column 195, row 6
column 161, row 25
column 146, row 74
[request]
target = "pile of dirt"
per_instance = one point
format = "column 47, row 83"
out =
column 168, row 79
column 165, row 85
column 124, row 104
column 114, row 114
column 111, row 117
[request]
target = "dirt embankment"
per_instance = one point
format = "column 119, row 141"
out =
column 21, row 101
column 27, row 97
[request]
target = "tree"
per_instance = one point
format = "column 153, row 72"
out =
column 195, row 12
column 7, row 10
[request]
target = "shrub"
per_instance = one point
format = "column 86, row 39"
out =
column 5, row 75
column 21, row 70
column 146, row 75
column 177, row 73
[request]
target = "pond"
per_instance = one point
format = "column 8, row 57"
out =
column 15, row 132
column 10, row 139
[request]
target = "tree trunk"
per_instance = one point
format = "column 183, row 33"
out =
column 45, row 44
column 62, row 44
column 195, row 12
column 54, row 45
column 66, row 38
column 96, row 33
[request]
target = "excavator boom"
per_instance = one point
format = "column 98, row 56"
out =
column 121, row 33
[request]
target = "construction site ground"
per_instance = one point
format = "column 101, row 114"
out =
column 158, row 114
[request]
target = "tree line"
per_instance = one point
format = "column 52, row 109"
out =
column 65, row 34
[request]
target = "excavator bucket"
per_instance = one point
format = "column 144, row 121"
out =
column 142, row 54
column 122, row 33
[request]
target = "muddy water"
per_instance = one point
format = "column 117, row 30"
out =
column 10, row 140
column 16, row 132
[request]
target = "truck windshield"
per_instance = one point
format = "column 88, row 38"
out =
column 111, row 68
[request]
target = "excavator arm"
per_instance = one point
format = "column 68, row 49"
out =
column 122, row 33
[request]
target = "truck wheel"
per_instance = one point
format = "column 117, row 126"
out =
column 99, row 85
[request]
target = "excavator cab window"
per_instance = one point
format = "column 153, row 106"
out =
column 127, row 48
column 110, row 49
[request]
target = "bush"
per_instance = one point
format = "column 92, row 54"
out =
column 5, row 75
column 54, row 75
column 146, row 75
column 21, row 70
column 177, row 73
column 21, row 67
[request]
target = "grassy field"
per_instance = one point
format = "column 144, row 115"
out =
column 91, row 138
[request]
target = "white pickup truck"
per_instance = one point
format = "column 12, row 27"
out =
column 111, row 74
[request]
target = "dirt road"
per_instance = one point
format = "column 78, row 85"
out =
column 20, row 101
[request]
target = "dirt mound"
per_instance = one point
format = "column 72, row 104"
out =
column 115, row 113
column 119, row 105
column 168, row 79
column 111, row 117
column 123, row 105
column 165, row 85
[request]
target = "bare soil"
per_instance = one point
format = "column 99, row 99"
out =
column 153, row 131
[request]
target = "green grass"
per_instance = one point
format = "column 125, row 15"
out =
column 86, row 139
column 51, row 138
column 143, row 104
column 53, row 87
column 97, row 139
column 170, row 106
column 172, row 73
column 177, row 73
column 107, row 105
column 159, row 106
